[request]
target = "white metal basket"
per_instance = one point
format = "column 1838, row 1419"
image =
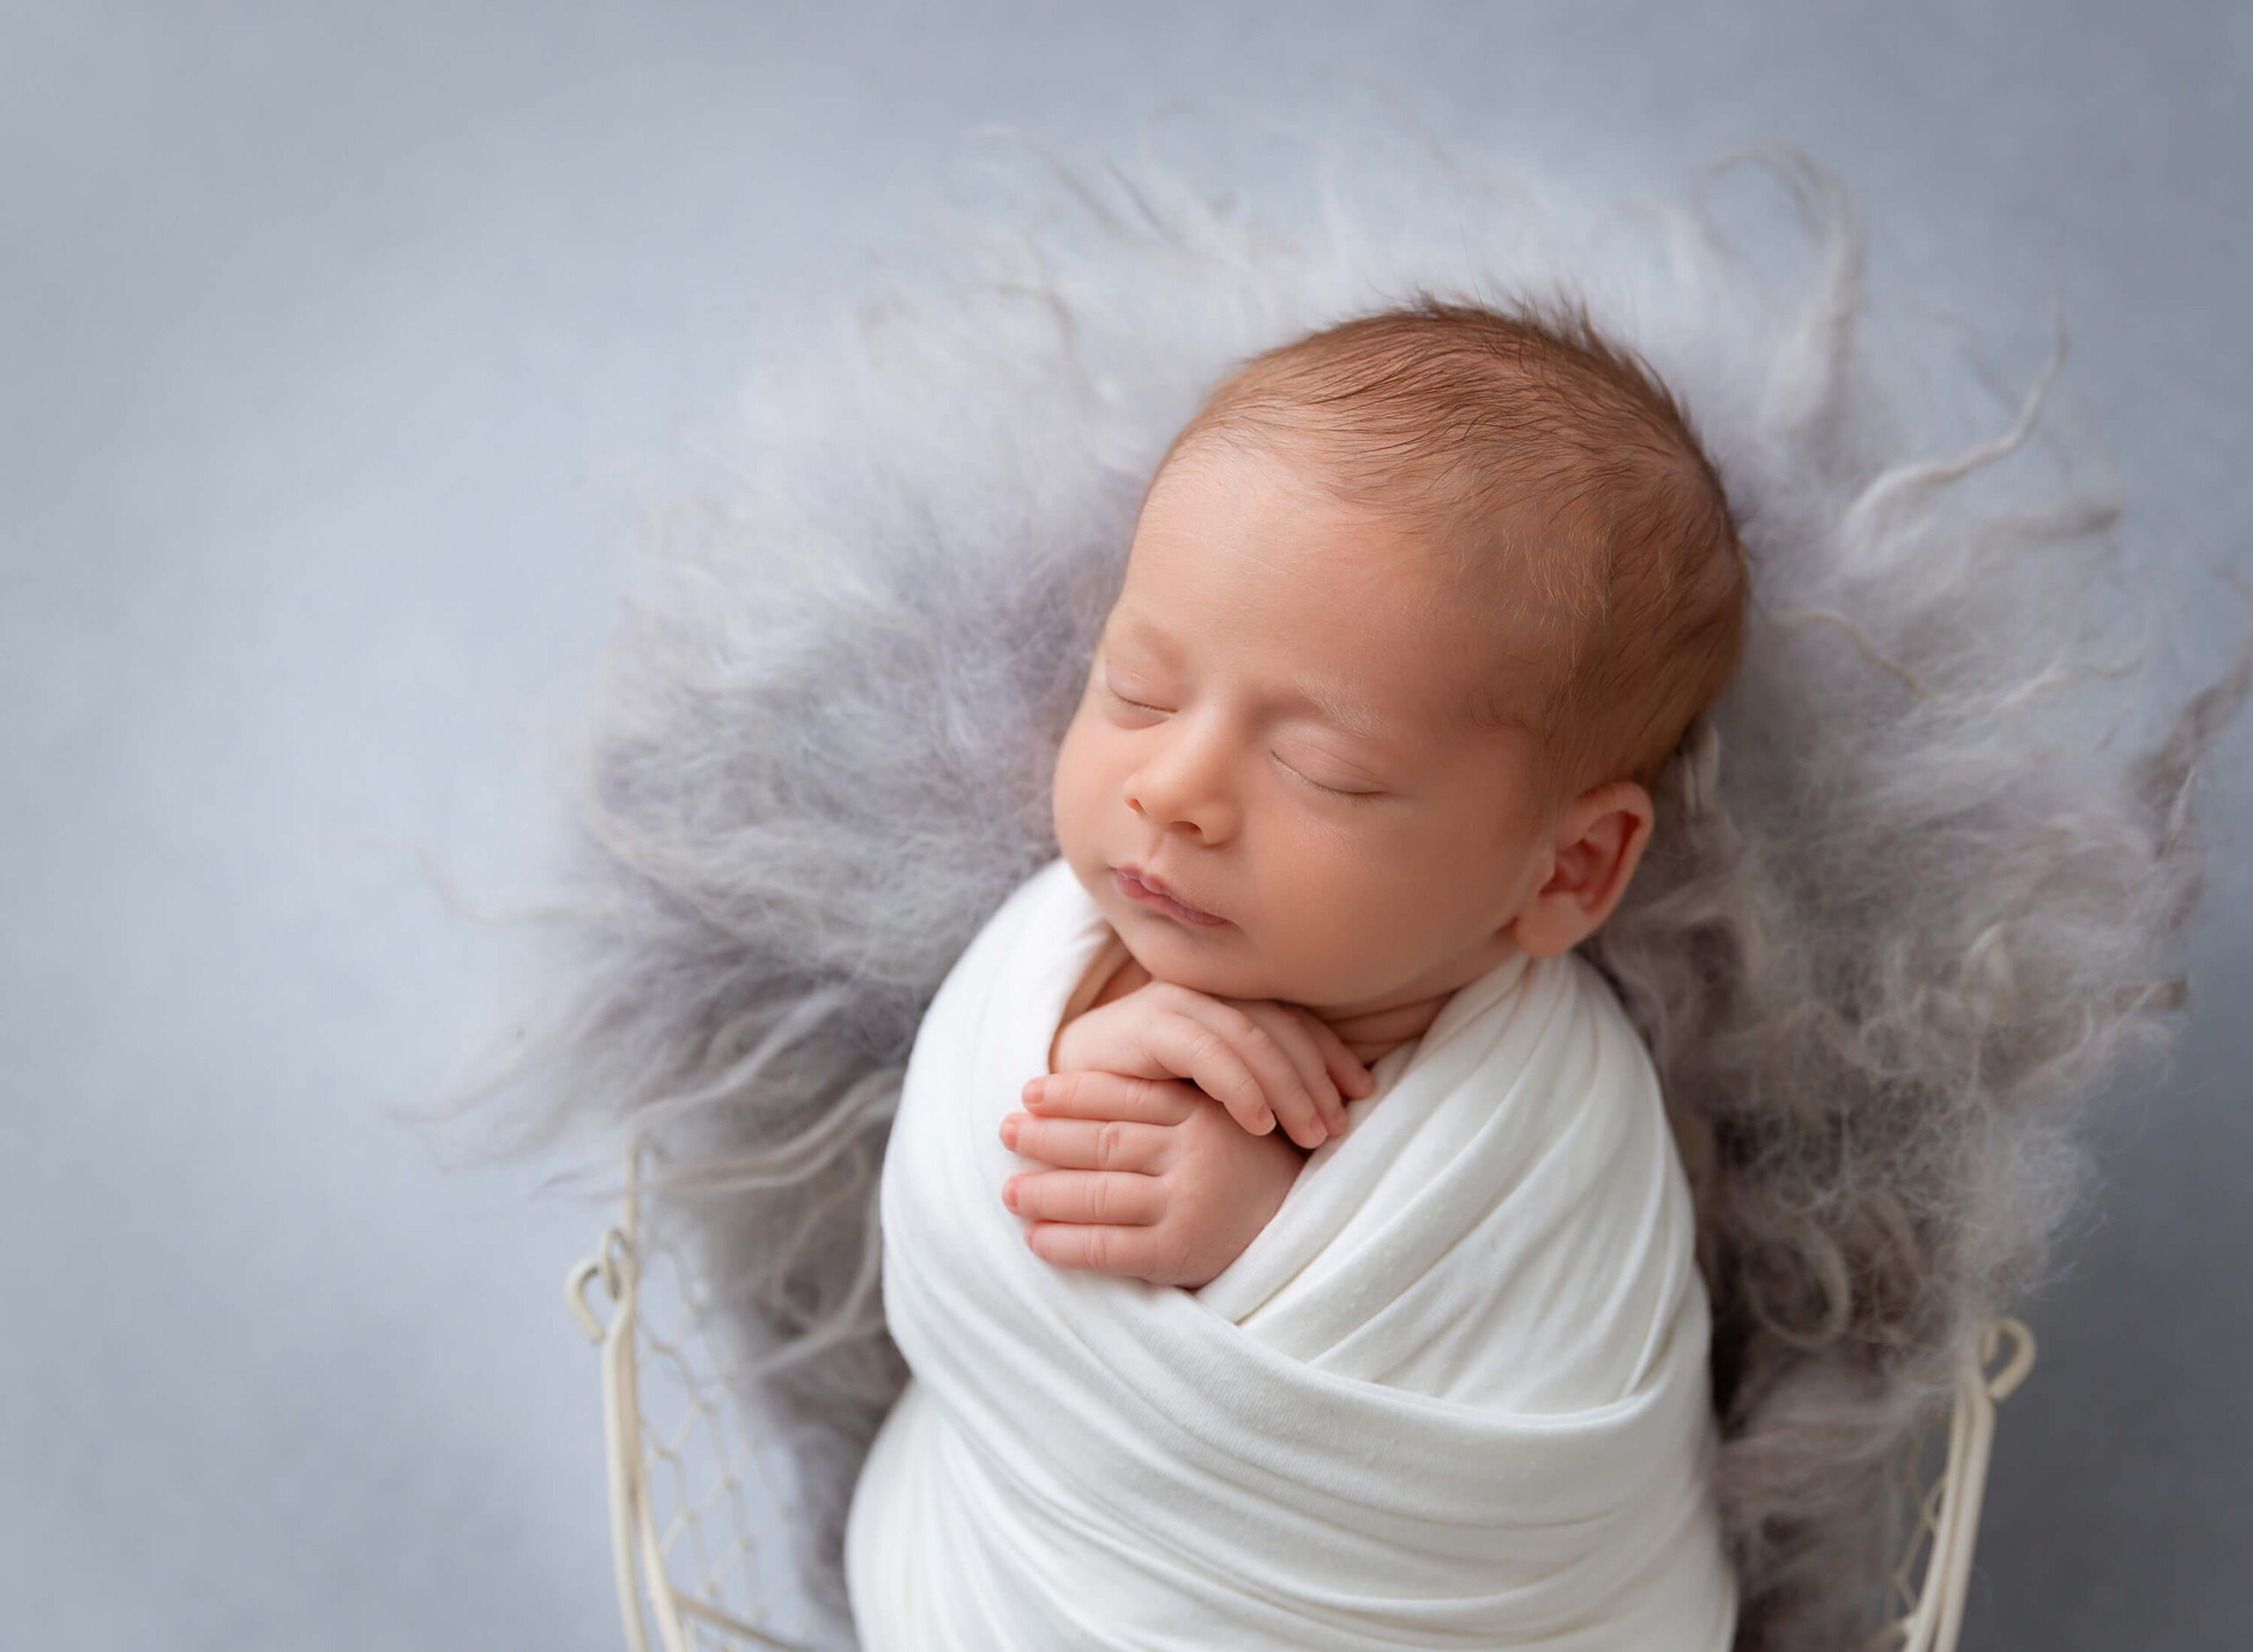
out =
column 691, row 1496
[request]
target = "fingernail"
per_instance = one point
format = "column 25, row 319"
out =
column 1009, row 1193
column 1009, row 1131
column 1034, row 1090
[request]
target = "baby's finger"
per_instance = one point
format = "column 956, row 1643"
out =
column 1347, row 1070
column 1286, row 1093
column 1133, row 1252
column 1087, row 1144
column 1185, row 1044
column 1094, row 1094
column 1288, row 1024
column 1106, row 1196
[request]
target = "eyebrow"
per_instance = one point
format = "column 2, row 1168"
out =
column 1339, row 713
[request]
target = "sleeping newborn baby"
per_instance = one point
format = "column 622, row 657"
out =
column 1416, row 610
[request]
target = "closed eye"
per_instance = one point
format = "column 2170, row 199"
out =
column 1332, row 792
column 1335, row 791
column 1137, row 704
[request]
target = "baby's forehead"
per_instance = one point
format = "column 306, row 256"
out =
column 1455, row 676
column 1436, row 610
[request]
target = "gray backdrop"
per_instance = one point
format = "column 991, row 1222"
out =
column 336, row 338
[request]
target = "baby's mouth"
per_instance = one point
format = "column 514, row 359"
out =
column 1132, row 886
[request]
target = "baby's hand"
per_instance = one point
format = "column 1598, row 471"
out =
column 1261, row 1060
column 1157, row 1182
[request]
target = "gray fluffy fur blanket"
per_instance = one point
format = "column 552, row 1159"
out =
column 1913, row 903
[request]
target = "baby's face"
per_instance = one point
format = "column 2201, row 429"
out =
column 1272, row 727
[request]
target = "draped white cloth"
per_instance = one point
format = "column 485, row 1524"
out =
column 1455, row 1394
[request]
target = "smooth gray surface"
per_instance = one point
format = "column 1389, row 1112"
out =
column 334, row 335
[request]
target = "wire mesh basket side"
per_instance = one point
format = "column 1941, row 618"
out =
column 697, row 1498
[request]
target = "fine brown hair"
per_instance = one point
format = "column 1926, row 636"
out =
column 1563, row 487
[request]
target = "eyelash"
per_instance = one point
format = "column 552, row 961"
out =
column 1332, row 792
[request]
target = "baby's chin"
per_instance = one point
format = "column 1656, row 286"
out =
column 1212, row 961
column 1167, row 947
column 1220, row 959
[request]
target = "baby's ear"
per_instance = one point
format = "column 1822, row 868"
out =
column 1600, row 839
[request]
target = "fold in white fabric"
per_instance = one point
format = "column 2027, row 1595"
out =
column 1455, row 1394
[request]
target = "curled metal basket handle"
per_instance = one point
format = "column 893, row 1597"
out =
column 1950, row 1511
column 637, row 1551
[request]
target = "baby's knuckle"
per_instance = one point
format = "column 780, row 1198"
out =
column 1110, row 1144
column 1122, row 1200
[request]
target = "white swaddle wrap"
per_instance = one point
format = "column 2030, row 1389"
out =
column 1454, row 1394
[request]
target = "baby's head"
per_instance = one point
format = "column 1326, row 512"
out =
column 1416, row 611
